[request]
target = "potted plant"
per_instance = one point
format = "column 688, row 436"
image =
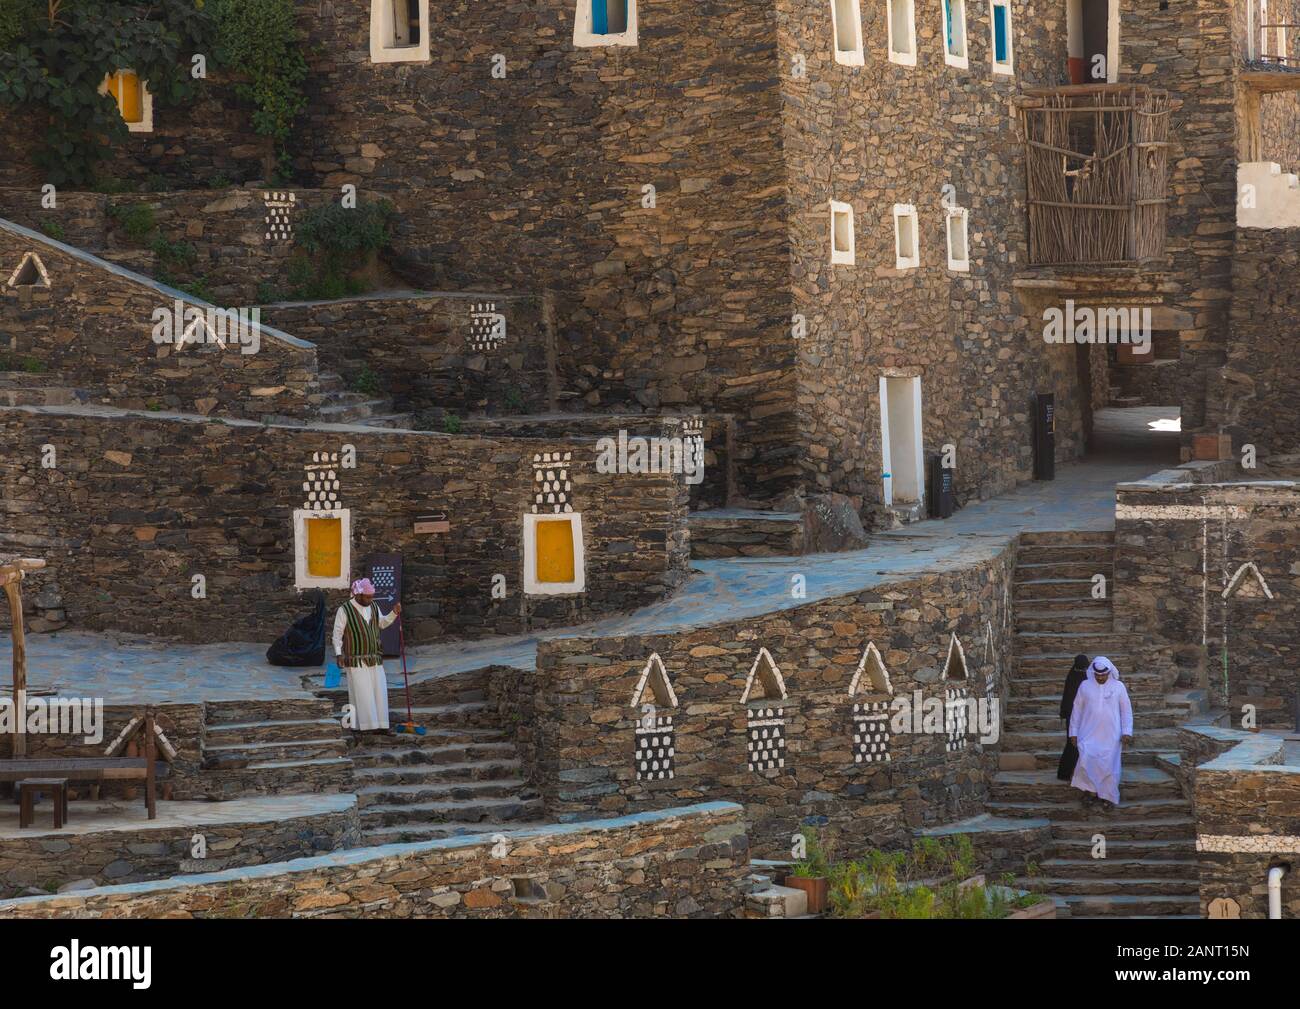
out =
column 811, row 874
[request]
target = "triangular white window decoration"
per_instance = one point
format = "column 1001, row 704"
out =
column 1248, row 583
column 199, row 333
column 954, row 667
column 871, row 677
column 655, row 678
column 30, row 273
column 769, row 678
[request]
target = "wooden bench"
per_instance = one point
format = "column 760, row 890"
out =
column 96, row 769
column 27, row 791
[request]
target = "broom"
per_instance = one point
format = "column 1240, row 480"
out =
column 409, row 727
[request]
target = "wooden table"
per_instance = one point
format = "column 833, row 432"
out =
column 97, row 769
column 27, row 789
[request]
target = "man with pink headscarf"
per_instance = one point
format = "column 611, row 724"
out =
column 1101, row 724
column 356, row 645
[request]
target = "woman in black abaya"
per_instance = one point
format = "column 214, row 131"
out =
column 1070, row 755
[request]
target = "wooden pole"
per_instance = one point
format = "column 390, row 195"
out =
column 20, row 656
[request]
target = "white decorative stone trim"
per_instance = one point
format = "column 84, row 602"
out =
column 1167, row 513
column 384, row 47
column 877, row 676
column 43, row 277
column 660, row 686
column 1238, row 582
column 770, row 677
column 958, row 653
column 1256, row 844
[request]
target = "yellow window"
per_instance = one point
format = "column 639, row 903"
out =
column 127, row 91
column 555, row 551
column 324, row 548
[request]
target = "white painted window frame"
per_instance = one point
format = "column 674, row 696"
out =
column 918, row 448
column 532, row 586
column 1009, row 67
column 584, row 38
column 905, row 59
column 381, row 30
column 843, row 257
column 145, row 125
column 855, row 57
column 962, row 214
column 42, row 275
column 302, row 579
column 962, row 60
column 902, row 262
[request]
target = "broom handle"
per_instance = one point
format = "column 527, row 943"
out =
column 401, row 644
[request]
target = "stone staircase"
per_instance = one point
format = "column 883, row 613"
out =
column 270, row 747
column 1149, row 869
column 463, row 776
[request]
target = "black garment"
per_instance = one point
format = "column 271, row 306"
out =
column 1070, row 753
column 303, row 644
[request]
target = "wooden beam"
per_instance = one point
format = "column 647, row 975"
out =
column 20, row 657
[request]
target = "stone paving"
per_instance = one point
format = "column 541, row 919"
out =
column 129, row 669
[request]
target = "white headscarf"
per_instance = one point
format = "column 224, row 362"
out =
column 1103, row 665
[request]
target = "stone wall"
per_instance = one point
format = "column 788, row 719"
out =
column 139, row 504
column 425, row 352
column 93, row 329
column 52, row 859
column 1248, row 820
column 690, row 862
column 1262, row 381
column 1178, row 548
column 578, row 721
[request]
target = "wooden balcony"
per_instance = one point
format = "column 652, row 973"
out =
column 1096, row 169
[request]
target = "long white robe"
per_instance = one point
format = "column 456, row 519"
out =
column 367, row 685
column 1102, row 714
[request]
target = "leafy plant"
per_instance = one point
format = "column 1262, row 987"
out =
column 54, row 229
column 451, row 424
column 58, row 53
column 336, row 239
column 816, row 863
column 135, row 219
column 366, row 381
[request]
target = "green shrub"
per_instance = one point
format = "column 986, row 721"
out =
column 366, row 381
column 135, row 219
column 335, row 240
column 451, row 424
column 54, row 229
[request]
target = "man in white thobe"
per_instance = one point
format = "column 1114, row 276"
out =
column 1101, row 724
column 360, row 654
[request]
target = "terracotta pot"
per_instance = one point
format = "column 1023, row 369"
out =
column 816, row 887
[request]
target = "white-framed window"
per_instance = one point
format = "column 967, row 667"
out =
column 843, row 248
column 555, row 560
column 134, row 101
column 1000, row 32
column 846, row 19
column 605, row 23
column 956, row 226
column 322, row 542
column 399, row 31
column 907, row 239
column 954, row 34
column 901, row 17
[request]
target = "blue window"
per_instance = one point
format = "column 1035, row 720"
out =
column 947, row 22
column 608, row 17
column 1001, row 34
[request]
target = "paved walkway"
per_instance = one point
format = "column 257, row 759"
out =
column 131, row 669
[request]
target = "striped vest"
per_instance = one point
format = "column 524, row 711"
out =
column 361, row 639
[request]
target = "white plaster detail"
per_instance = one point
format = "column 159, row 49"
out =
column 390, row 40
column 1239, row 585
column 487, row 327
column 877, row 676
column 955, row 53
column 1273, row 199
column 1008, row 65
column 769, row 677
column 843, row 239
column 532, row 586
column 279, row 215
column 907, row 237
column 302, row 579
column 145, row 125
column 1278, row 844
column 956, row 718
column 655, row 678
column 954, row 666
column 871, row 732
column 1166, row 513
column 30, row 272
column 846, row 38
column 551, row 482
column 957, row 231
column 900, row 17
column 584, row 37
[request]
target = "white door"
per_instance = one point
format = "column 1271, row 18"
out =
column 902, row 461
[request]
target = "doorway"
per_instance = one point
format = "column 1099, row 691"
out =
column 1093, row 43
column 903, row 466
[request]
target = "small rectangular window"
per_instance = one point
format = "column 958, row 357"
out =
column 846, row 20
column 902, row 32
column 1000, row 26
column 907, row 242
column 322, row 548
column 842, row 238
column 605, row 23
column 399, row 31
column 958, row 240
column 133, row 99
column 954, row 33
column 554, row 555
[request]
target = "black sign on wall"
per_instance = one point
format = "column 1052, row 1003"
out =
column 1045, row 436
column 385, row 570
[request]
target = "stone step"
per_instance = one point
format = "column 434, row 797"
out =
column 1033, row 742
column 1117, row 866
column 1058, row 663
column 1051, row 553
column 1077, row 621
column 326, row 774
column 1020, row 720
column 1048, row 759
column 391, row 421
column 1067, row 536
column 1055, row 604
column 279, row 750
column 1043, row 786
column 725, row 533
column 342, row 412
column 452, row 811
column 442, row 791
column 1039, row 588
column 1136, row 906
column 435, row 753
column 433, row 736
column 412, row 832
column 242, row 712
column 1145, row 852
column 1058, row 642
column 266, row 732
column 1147, row 686
column 1050, row 570
column 1096, row 886
column 1071, row 810
column 415, row 774
column 1176, row 826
